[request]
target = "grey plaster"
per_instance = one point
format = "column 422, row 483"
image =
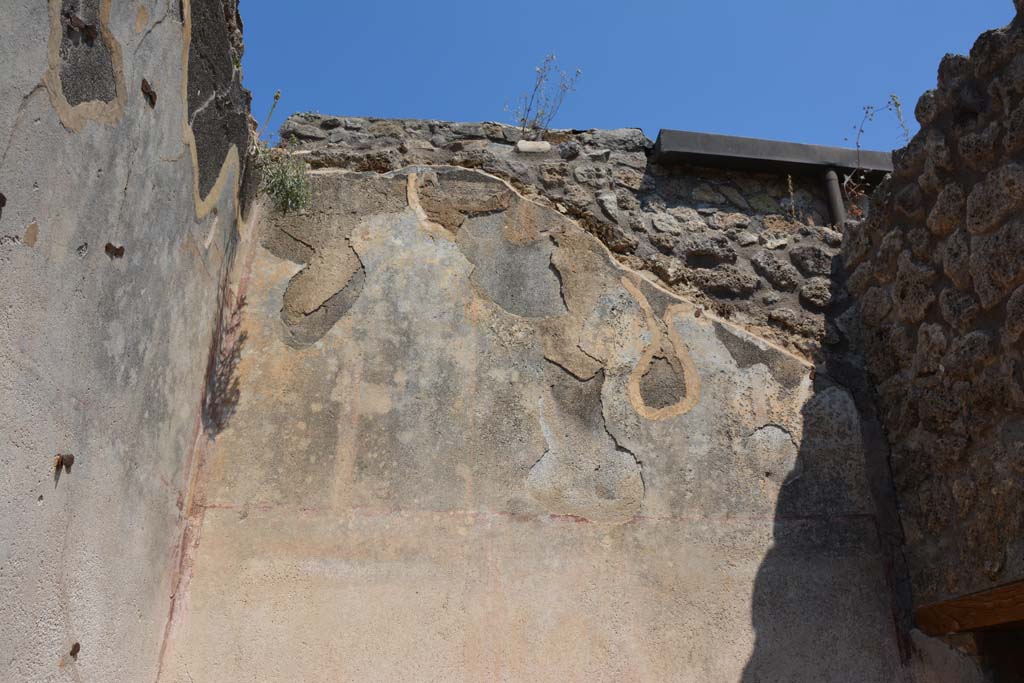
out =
column 101, row 358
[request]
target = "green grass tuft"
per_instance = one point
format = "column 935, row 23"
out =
column 284, row 180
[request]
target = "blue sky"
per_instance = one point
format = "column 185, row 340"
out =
column 799, row 70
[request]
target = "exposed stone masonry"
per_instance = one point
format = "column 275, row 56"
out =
column 753, row 247
column 938, row 270
column 87, row 70
column 218, row 105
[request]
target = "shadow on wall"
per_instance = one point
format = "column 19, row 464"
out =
column 831, row 600
column 221, row 392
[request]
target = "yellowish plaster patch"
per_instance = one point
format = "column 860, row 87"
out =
column 141, row 18
column 691, row 379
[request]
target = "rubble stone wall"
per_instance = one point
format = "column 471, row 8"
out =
column 938, row 272
column 754, row 247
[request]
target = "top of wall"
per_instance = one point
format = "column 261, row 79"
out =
column 755, row 246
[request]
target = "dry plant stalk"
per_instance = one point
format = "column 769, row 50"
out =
column 535, row 110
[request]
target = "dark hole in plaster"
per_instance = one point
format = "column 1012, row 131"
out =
column 663, row 384
column 61, row 462
column 75, row 649
column 149, row 93
column 82, row 249
column 78, row 29
column 112, row 251
column 87, row 67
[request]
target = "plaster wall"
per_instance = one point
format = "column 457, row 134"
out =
column 111, row 263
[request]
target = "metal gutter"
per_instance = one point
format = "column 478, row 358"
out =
column 708, row 149
column 753, row 154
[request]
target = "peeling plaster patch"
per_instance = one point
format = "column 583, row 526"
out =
column 666, row 344
column 141, row 18
column 583, row 473
column 29, row 239
column 115, row 341
column 31, row 234
column 309, row 322
column 374, row 399
column 748, row 351
column 517, row 277
column 85, row 77
column 213, row 231
column 663, row 384
column 333, row 277
column 464, row 194
column 498, row 232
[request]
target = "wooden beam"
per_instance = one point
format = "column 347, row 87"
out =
column 1002, row 605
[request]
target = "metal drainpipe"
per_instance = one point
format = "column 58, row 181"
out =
column 835, row 198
